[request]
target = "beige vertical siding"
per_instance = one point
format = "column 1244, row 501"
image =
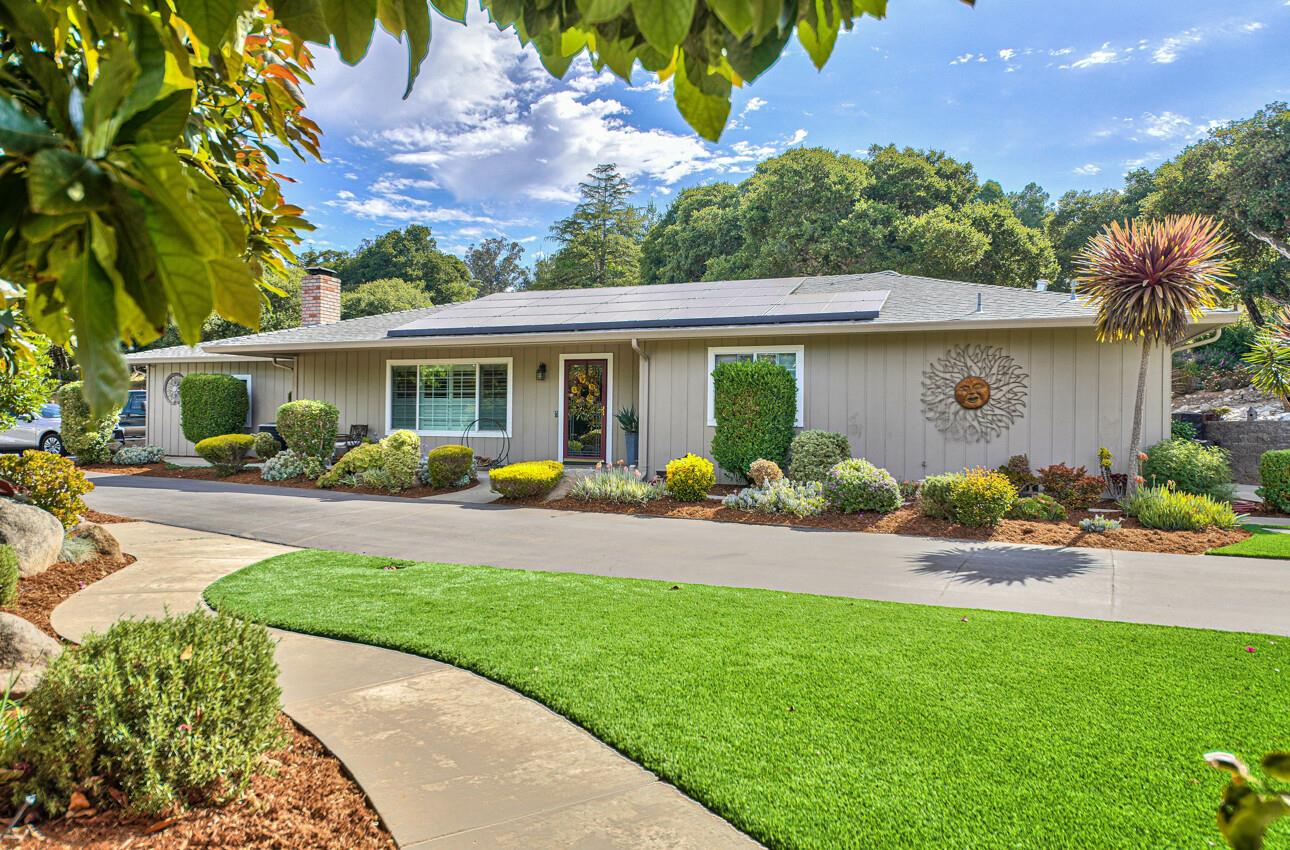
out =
column 270, row 386
column 355, row 381
column 868, row 386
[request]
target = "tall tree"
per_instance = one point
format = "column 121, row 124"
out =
column 600, row 242
column 700, row 224
column 915, row 181
column 383, row 296
column 497, row 265
column 410, row 254
column 1030, row 205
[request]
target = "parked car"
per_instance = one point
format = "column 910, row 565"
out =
column 132, row 425
column 36, row 432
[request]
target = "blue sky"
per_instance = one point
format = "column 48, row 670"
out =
column 1068, row 93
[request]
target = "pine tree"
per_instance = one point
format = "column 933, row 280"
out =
column 600, row 242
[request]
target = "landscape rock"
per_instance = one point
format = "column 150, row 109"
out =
column 104, row 543
column 35, row 534
column 25, row 652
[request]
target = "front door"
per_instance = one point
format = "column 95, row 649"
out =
column 585, row 409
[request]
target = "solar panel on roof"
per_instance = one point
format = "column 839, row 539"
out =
column 757, row 302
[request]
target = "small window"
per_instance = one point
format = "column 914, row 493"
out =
column 791, row 357
column 447, row 398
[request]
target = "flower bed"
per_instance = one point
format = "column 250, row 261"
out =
column 252, row 476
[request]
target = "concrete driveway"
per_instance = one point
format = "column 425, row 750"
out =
column 1187, row 590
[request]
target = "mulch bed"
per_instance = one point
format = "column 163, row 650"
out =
column 252, row 476
column 909, row 521
column 105, row 519
column 305, row 801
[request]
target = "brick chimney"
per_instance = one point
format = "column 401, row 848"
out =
column 319, row 297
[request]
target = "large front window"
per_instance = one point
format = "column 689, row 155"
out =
column 445, row 398
column 790, row 357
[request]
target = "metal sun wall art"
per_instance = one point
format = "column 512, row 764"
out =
column 974, row 392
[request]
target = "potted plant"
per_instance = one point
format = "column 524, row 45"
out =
column 631, row 426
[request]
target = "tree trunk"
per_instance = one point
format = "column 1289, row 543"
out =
column 1252, row 307
column 1278, row 245
column 1135, row 438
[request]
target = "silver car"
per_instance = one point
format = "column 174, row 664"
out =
column 36, row 432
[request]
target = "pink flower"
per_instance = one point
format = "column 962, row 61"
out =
column 1142, row 455
column 1250, row 649
column 184, row 727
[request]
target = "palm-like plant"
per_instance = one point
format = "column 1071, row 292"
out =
column 1268, row 359
column 1149, row 280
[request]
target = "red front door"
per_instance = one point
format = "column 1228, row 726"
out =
column 585, row 410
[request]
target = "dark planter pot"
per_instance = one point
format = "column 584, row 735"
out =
column 632, row 440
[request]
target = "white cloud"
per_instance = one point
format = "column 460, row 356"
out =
column 345, row 195
column 1104, row 55
column 1255, row 26
column 1007, row 53
column 1088, row 169
column 351, row 175
column 1168, row 50
column 960, row 60
column 798, row 137
column 753, row 104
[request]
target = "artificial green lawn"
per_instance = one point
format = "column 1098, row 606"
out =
column 1264, row 544
column 820, row 722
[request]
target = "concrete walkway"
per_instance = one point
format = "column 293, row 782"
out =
column 449, row 760
column 1243, row 594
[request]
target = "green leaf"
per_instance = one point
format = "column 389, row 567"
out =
column 412, row 17
column 1277, row 766
column 304, row 18
column 237, row 298
column 819, row 37
column 664, row 23
column 600, row 11
column 1245, row 815
column 211, row 20
column 453, row 10
column 91, row 304
column 22, row 132
column 184, row 277
column 117, row 75
column 751, row 58
column 706, row 113
column 351, row 23
column 160, row 123
column 60, row 181
column 618, row 55
column 737, row 15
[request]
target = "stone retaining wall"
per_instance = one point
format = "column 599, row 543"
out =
column 1247, row 441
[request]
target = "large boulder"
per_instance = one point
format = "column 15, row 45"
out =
column 25, row 652
column 35, row 534
column 102, row 540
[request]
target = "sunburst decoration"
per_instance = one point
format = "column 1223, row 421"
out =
column 974, row 392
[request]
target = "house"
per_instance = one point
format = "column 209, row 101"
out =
column 922, row 375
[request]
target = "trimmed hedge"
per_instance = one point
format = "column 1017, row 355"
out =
column 227, row 452
column 1192, row 467
column 84, row 436
column 690, row 478
column 172, row 712
column 266, row 445
column 1274, row 478
column 388, row 465
column 934, row 497
column 308, row 427
column 856, row 484
column 813, row 453
column 446, row 465
column 982, row 497
column 8, row 575
column 755, row 403
column 211, row 404
column 527, row 479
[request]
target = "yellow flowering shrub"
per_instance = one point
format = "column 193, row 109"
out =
column 49, row 482
column 690, row 478
column 523, row 480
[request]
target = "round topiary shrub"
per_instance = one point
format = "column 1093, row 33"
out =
column 171, row 712
column 447, row 465
column 227, row 452
column 84, row 435
column 308, row 427
column 1274, row 479
column 755, row 406
column 936, row 494
column 857, row 485
column 1192, row 467
column 763, row 472
column 981, row 497
column 266, row 445
column 210, row 405
column 690, row 478
column 526, row 479
column 813, row 453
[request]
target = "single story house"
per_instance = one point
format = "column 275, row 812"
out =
column 922, row 375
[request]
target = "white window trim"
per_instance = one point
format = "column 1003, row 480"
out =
column 799, row 350
column 250, row 398
column 610, row 421
column 460, row 361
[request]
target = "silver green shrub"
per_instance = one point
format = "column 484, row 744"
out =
column 856, row 484
column 795, row 498
column 136, row 455
column 282, row 466
column 618, row 485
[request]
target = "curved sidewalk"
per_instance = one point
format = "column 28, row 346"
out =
column 447, row 758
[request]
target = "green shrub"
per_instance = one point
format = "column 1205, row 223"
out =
column 1274, row 478
column 401, row 456
column 8, row 576
column 136, row 455
column 447, row 465
column 1181, row 429
column 49, row 482
column 690, row 478
column 616, row 485
column 936, row 495
column 527, row 479
column 857, row 485
column 1099, row 524
column 285, row 465
column 309, row 427
column 981, row 497
column 227, row 452
column 909, row 491
column 84, row 436
column 755, row 405
column 1073, row 487
column 388, row 465
column 1175, row 510
column 171, row 712
column 1191, row 466
column 211, row 405
column 783, row 496
column 1017, row 470
column 813, row 453
column 266, row 446
column 1037, row 507
column 354, row 462
column 763, row 472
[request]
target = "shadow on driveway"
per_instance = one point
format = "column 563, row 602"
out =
column 1006, row 565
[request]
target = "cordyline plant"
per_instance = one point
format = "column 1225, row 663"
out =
column 1268, row 359
column 1149, row 280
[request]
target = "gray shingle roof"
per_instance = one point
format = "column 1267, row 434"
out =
column 182, row 353
column 911, row 300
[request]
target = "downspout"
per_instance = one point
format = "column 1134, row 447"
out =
column 290, row 366
column 642, row 415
